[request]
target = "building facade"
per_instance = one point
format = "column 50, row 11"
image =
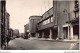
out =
column 46, row 25
column 7, row 23
column 59, row 22
column 26, row 30
column 10, row 32
column 2, row 21
column 67, row 28
column 33, row 25
column 16, row 33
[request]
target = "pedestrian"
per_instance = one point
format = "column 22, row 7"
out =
column 7, row 39
column 3, row 42
column 28, row 35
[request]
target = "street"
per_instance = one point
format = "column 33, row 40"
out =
column 32, row 44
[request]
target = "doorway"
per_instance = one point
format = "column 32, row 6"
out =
column 65, row 32
column 76, row 32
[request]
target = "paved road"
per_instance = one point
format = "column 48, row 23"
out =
column 30, row 44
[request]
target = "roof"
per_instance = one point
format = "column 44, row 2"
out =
column 34, row 16
column 47, row 10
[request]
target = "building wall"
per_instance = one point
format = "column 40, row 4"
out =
column 33, row 23
column 10, row 32
column 47, row 20
column 2, row 13
column 0, row 24
column 41, row 27
column 4, row 22
column 64, row 14
column 7, row 24
column 26, row 28
column 61, row 12
column 47, row 13
column 55, row 12
column 72, row 7
column 16, row 33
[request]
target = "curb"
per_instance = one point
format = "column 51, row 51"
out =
column 60, row 41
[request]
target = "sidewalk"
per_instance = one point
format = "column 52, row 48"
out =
column 67, row 40
column 59, row 40
column 33, row 38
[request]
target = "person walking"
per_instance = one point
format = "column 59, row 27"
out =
column 7, row 39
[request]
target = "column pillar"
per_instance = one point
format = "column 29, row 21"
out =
column 68, row 32
column 42, row 34
column 71, row 31
column 36, row 34
column 50, row 36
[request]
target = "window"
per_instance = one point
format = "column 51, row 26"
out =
column 77, row 14
column 51, row 19
column 47, row 21
column 76, row 9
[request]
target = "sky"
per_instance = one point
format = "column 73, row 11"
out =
column 21, row 10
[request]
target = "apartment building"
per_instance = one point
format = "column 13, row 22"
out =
column 59, row 22
column 33, row 20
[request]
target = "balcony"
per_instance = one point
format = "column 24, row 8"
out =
column 75, row 20
column 76, row 10
column 41, row 27
column 76, row 5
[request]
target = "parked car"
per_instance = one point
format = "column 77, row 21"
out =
column 25, row 37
